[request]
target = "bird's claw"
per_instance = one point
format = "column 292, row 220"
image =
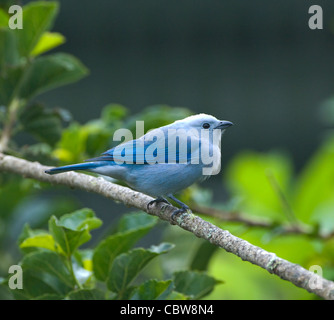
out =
column 178, row 211
column 184, row 208
column 158, row 200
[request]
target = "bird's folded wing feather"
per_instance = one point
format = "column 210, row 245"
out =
column 143, row 151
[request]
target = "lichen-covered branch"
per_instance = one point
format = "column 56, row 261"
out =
column 192, row 223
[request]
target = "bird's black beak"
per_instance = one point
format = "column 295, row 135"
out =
column 224, row 125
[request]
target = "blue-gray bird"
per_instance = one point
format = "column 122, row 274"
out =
column 165, row 160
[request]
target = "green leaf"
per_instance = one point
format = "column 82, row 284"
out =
column 45, row 241
column 49, row 72
column 315, row 184
column 86, row 294
column 42, row 123
column 108, row 249
column 44, row 273
column 194, row 284
column 72, row 230
column 126, row 266
column 136, row 220
column 49, row 296
column 153, row 290
column 63, row 237
column 4, row 18
column 77, row 220
column 113, row 112
column 37, row 18
column 202, row 256
column 27, row 233
column 323, row 217
column 174, row 295
column 9, row 78
column 8, row 43
column 100, row 130
column 249, row 175
column 84, row 258
column 48, row 41
column 72, row 144
column 98, row 137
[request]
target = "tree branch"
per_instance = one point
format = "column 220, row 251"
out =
column 202, row 229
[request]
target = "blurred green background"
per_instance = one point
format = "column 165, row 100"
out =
column 254, row 63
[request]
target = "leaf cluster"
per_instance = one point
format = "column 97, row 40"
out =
column 56, row 267
column 26, row 72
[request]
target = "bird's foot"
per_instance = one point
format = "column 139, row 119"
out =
column 158, row 200
column 184, row 209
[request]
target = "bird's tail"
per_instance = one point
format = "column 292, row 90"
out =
column 74, row 167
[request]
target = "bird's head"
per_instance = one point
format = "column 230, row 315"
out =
column 203, row 122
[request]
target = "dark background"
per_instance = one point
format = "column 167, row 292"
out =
column 255, row 63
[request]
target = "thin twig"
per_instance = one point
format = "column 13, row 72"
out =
column 246, row 251
column 283, row 199
column 8, row 127
column 260, row 223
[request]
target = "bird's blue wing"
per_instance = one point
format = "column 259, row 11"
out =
column 128, row 152
column 142, row 151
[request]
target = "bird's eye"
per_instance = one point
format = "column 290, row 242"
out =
column 206, row 125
